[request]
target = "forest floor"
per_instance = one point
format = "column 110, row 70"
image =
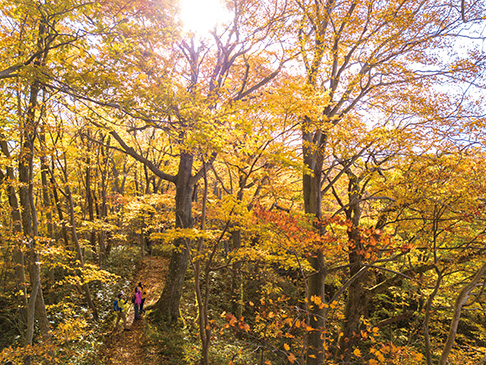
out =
column 127, row 347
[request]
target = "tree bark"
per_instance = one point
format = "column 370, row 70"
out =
column 236, row 282
column 17, row 255
column 168, row 304
column 30, row 224
column 91, row 210
column 77, row 246
column 428, row 306
column 313, row 151
column 456, row 316
column 357, row 298
column 46, row 200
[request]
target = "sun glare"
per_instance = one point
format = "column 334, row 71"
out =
column 202, row 16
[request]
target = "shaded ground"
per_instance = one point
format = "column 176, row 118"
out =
column 126, row 347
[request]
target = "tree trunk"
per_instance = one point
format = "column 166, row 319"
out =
column 428, row 307
column 356, row 304
column 104, row 207
column 30, row 224
column 236, row 282
column 168, row 304
column 357, row 299
column 77, row 246
column 47, row 204
column 313, row 151
column 203, row 299
column 91, row 210
column 456, row 316
column 17, row 255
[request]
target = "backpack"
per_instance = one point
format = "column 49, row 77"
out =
column 116, row 308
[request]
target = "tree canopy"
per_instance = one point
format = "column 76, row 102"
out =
column 311, row 172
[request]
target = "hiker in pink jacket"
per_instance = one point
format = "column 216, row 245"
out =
column 137, row 302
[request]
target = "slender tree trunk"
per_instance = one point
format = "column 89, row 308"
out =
column 58, row 204
column 103, row 210
column 456, row 316
column 29, row 219
column 91, row 210
column 143, row 239
column 17, row 254
column 203, row 299
column 79, row 252
column 46, row 200
column 236, row 282
column 428, row 307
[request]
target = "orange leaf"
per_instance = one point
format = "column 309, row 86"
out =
column 291, row 358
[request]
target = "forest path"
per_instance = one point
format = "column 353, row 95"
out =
column 126, row 347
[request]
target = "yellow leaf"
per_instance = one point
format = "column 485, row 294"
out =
column 380, row 356
column 316, row 299
column 286, row 347
column 291, row 358
column 357, row 353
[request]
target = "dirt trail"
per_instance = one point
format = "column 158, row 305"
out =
column 125, row 347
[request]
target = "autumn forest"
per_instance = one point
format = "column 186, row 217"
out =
column 303, row 182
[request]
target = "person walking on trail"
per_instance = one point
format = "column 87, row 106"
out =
column 121, row 308
column 137, row 302
column 144, row 293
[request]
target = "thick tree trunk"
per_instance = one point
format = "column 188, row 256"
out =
column 317, row 320
column 356, row 305
column 168, row 304
column 313, row 149
column 357, row 298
